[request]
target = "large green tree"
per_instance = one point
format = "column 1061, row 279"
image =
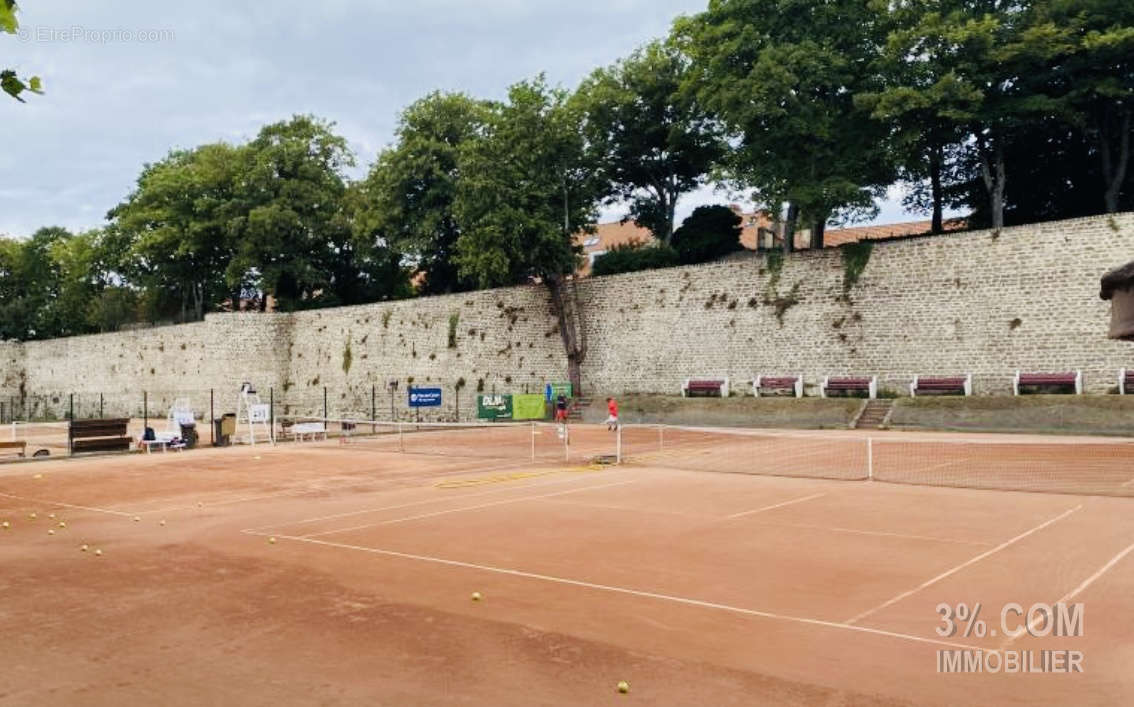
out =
column 782, row 74
column 408, row 197
column 654, row 142
column 526, row 188
column 290, row 226
column 180, row 223
column 10, row 81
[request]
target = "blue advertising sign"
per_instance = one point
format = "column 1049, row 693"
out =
column 424, row 397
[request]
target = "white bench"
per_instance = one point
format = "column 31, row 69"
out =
column 303, row 430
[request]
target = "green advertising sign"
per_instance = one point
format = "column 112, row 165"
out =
column 494, row 407
column 528, row 407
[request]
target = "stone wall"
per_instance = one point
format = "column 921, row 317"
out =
column 1026, row 298
column 975, row 302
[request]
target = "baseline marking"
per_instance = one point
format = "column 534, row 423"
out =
column 778, row 505
column 68, row 505
column 958, row 568
column 632, row 592
column 467, row 508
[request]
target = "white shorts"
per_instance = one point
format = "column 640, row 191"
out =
column 612, row 420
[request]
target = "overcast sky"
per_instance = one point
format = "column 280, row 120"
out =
column 128, row 80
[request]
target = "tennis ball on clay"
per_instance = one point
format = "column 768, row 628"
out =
column 51, row 516
column 38, row 476
column 271, row 541
column 476, row 596
column 161, row 522
column 257, row 457
column 137, row 519
column 84, row 548
column 33, row 516
column 98, row 552
column 51, row 532
column 624, row 687
column 5, row 525
column 62, row 524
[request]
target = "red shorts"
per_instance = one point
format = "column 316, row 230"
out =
column 560, row 415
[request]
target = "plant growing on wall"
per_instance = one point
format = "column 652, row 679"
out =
column 348, row 358
column 855, row 258
column 454, row 322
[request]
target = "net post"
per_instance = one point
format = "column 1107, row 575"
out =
column 212, row 420
column 870, row 459
column 618, row 442
column 100, row 415
column 71, row 405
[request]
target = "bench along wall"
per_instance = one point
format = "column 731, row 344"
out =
column 973, row 302
column 976, row 302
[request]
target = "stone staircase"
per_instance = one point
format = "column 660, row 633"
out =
column 874, row 414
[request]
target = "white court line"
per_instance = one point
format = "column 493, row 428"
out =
column 961, row 566
column 633, row 592
column 778, row 505
column 436, row 499
column 68, row 505
column 856, row 531
column 1074, row 592
column 467, row 508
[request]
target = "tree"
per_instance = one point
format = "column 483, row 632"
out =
column 1095, row 84
column 525, row 189
column 709, row 233
column 979, row 70
column 635, row 256
column 409, row 194
column 782, row 75
column 10, row 81
column 290, row 226
column 654, row 141
column 179, row 221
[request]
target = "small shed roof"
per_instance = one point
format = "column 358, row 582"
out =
column 1118, row 279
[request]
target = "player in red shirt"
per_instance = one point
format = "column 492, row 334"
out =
column 612, row 414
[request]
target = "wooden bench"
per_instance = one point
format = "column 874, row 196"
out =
column 942, row 384
column 705, row 386
column 86, row 436
column 792, row 383
column 1071, row 379
column 19, row 448
column 1125, row 381
column 849, row 384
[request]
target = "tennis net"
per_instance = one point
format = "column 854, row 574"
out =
column 1071, row 466
column 498, row 440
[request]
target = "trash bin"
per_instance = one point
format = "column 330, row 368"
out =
column 189, row 434
column 224, row 427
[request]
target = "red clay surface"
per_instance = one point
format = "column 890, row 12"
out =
column 696, row 588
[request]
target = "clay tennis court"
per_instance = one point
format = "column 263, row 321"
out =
column 693, row 586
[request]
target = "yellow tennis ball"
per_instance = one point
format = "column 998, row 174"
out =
column 5, row 525
column 476, row 596
column 162, row 523
column 51, row 532
column 32, row 516
column 62, row 524
column 137, row 519
column 272, row 541
column 98, row 552
column 51, row 516
column 624, row 687
column 84, row 548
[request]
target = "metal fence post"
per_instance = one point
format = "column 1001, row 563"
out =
column 212, row 420
column 324, row 407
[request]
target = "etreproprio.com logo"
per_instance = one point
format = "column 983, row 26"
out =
column 93, row 35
